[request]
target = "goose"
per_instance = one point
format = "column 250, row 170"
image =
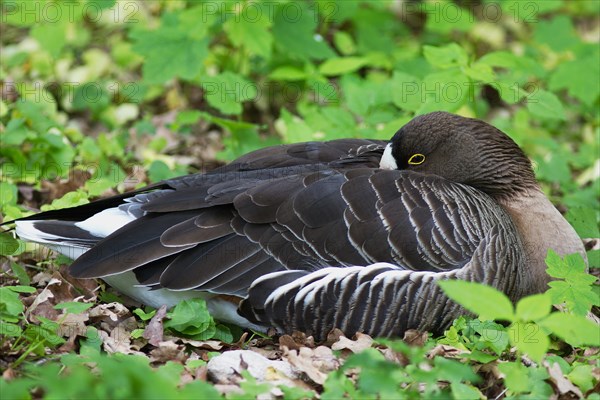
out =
column 350, row 234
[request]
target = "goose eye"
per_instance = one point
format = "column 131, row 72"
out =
column 416, row 159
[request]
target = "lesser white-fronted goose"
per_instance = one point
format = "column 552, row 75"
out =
column 349, row 233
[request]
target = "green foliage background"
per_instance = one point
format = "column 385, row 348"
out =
column 88, row 88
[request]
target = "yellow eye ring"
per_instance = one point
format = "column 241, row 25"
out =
column 416, row 159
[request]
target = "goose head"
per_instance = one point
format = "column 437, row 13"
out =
column 462, row 150
column 474, row 153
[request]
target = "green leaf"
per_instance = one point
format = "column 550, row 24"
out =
column 188, row 117
column 485, row 301
column 546, row 105
column 8, row 244
column 339, row 66
column 452, row 55
column 344, row 43
column 579, row 77
column 575, row 291
column 163, row 55
column 406, row 91
column 16, row 133
column 73, row 307
column 532, row 308
column 585, row 221
column 251, row 33
column 190, row 317
column 582, row 376
column 573, row 329
column 557, row 33
column 51, row 36
column 8, row 193
column 516, row 378
column 227, row 91
column 446, row 17
column 20, row 273
column 462, row 391
column 288, row 73
column 529, row 338
column 144, row 316
column 294, row 29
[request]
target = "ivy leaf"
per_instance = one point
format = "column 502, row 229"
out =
column 163, row 55
column 546, row 105
column 488, row 303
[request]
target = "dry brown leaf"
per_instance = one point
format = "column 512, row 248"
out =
column 315, row 363
column 444, row 350
column 414, row 337
column 361, row 343
column 118, row 341
column 333, row 336
column 168, row 351
column 227, row 367
column 154, row 330
column 42, row 297
column 213, row 345
column 111, row 313
column 72, row 325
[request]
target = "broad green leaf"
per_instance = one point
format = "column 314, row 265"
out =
column 407, row 91
column 8, row 193
column 485, row 301
column 251, row 33
column 582, row 376
column 534, row 307
column 463, row 391
column 573, row 329
column 295, row 33
column 579, row 77
column 480, row 72
column 529, row 338
column 558, row 33
column 516, row 378
column 227, row 91
column 546, row 105
column 70, row 199
column 163, row 55
column 446, row 90
column 446, row 17
column 452, row 55
column 8, row 244
column 339, row 66
column 585, row 221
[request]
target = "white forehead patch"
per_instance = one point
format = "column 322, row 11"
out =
column 387, row 160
